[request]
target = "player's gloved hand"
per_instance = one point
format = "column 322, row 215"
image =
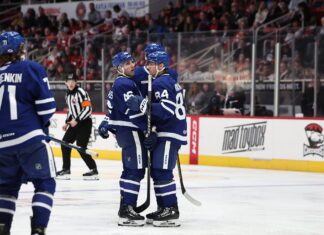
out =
column 46, row 128
column 150, row 141
column 103, row 128
column 47, row 138
column 137, row 103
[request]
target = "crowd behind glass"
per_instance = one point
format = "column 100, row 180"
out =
column 209, row 44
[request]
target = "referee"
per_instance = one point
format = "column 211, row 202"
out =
column 78, row 125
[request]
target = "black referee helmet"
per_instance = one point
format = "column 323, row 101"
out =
column 71, row 76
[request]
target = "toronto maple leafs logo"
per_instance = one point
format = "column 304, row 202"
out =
column 315, row 140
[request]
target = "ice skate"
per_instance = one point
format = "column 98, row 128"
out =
column 38, row 231
column 150, row 216
column 91, row 175
column 128, row 217
column 168, row 217
column 63, row 174
column 2, row 230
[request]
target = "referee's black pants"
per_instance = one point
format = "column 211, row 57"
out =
column 81, row 134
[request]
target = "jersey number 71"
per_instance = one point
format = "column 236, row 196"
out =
column 12, row 100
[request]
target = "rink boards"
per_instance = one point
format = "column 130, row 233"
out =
column 268, row 143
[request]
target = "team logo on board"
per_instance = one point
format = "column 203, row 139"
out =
column 243, row 138
column 315, row 138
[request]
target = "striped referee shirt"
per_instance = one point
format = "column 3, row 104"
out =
column 79, row 104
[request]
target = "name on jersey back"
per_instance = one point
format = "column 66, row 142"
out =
column 10, row 77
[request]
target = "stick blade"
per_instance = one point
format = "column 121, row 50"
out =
column 192, row 200
column 142, row 207
column 92, row 153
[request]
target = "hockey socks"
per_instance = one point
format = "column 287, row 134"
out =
column 165, row 192
column 129, row 191
column 42, row 202
column 7, row 211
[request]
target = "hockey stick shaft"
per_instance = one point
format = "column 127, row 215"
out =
column 183, row 189
column 72, row 146
column 146, row 204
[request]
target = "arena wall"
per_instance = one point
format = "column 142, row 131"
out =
column 268, row 143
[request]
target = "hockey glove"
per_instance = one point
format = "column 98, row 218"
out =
column 46, row 128
column 150, row 141
column 137, row 104
column 103, row 128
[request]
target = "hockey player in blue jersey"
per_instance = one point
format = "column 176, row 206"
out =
column 129, row 127
column 141, row 72
column 26, row 106
column 169, row 118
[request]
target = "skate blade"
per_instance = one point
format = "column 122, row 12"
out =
column 63, row 177
column 130, row 223
column 94, row 177
column 149, row 221
column 166, row 223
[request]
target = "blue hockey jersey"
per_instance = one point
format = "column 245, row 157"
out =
column 141, row 75
column 26, row 104
column 168, row 111
column 121, row 117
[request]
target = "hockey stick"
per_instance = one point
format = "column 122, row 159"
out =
column 72, row 146
column 183, row 189
column 146, row 204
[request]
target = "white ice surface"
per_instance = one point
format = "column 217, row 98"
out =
column 234, row 201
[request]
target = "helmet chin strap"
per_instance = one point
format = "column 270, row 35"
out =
column 122, row 72
column 157, row 70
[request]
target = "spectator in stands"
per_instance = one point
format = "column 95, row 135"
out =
column 242, row 48
column 94, row 16
column 121, row 31
column 196, row 98
column 283, row 7
column 202, row 23
column 120, row 12
column 261, row 14
column 250, row 13
column 18, row 22
column 60, row 74
column 68, row 67
column 235, row 98
column 36, row 43
column 274, row 11
column 179, row 23
column 76, row 58
column 192, row 73
column 214, row 25
column 307, row 102
column 30, row 18
column 264, row 71
column 235, row 15
column 305, row 13
column 189, row 24
column 284, row 71
column 108, row 22
column 297, row 68
column 293, row 4
column 321, row 46
column 215, row 104
column 42, row 19
column 64, row 23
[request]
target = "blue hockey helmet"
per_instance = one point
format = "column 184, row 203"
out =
column 153, row 47
column 159, row 57
column 10, row 42
column 120, row 58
